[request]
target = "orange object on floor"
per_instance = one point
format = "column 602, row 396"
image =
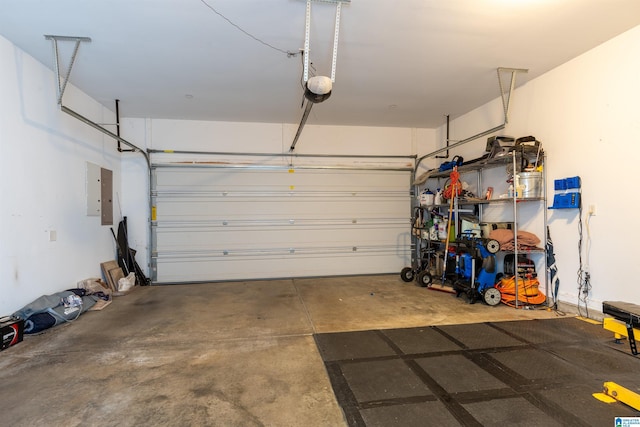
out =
column 527, row 293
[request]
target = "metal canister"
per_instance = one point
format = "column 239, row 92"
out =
column 531, row 182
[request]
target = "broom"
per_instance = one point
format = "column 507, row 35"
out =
column 454, row 191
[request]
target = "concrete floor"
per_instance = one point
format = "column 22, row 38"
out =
column 222, row 354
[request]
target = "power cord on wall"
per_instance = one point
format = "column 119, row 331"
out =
column 584, row 276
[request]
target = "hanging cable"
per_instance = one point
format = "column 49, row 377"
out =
column 583, row 276
column 312, row 72
column 286, row 52
column 588, row 246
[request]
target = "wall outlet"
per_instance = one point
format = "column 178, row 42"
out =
column 592, row 210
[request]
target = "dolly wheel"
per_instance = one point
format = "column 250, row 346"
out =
column 406, row 274
column 424, row 279
column 493, row 246
column 492, row 296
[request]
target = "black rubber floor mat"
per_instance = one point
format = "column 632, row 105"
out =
column 375, row 382
column 528, row 373
column 421, row 414
column 354, row 345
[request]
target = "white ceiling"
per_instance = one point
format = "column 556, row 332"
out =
column 401, row 63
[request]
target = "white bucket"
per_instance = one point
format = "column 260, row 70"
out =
column 426, row 199
column 531, row 183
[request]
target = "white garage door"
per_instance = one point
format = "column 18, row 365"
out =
column 213, row 223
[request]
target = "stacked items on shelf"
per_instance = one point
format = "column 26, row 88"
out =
column 463, row 213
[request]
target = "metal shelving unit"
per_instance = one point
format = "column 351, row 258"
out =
column 513, row 159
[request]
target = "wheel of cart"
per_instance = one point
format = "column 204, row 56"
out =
column 423, row 265
column 422, row 272
column 424, row 279
column 407, row 275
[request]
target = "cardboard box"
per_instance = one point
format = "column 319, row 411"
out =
column 12, row 332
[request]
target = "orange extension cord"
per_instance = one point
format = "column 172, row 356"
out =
column 528, row 292
column 454, row 176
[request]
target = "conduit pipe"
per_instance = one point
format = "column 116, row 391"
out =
column 107, row 132
column 120, row 149
column 448, row 140
column 505, row 104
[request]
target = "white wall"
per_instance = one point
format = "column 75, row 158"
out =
column 586, row 114
column 42, row 184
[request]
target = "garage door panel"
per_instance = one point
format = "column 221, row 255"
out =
column 200, row 179
column 228, row 223
column 279, row 266
column 277, row 237
column 278, row 207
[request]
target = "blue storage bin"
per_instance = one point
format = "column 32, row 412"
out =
column 560, row 184
column 566, row 183
column 566, row 201
column 573, row 182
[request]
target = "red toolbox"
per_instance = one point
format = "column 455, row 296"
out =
column 12, row 331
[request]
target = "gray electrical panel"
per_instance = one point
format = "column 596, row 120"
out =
column 100, row 193
column 106, row 196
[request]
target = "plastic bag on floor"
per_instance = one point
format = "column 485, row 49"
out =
column 127, row 283
column 94, row 285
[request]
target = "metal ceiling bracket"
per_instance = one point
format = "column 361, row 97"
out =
column 506, row 100
column 335, row 43
column 307, row 28
column 62, row 82
column 305, row 60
